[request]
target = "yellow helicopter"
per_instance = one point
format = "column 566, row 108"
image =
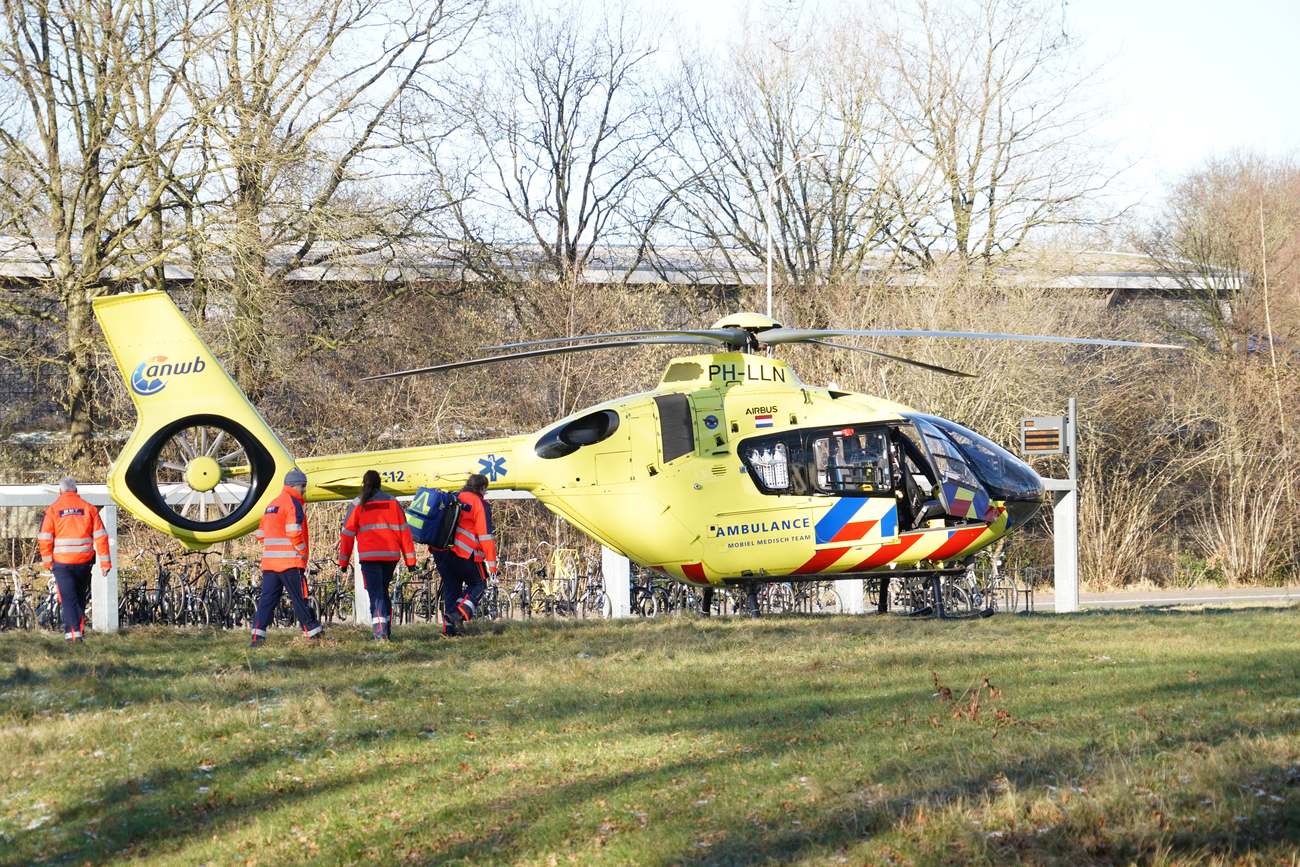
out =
column 729, row 471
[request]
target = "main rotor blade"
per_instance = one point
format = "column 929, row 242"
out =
column 900, row 359
column 800, row 335
column 537, row 353
column 728, row 336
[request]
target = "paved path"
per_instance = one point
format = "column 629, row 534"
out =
column 1212, row 596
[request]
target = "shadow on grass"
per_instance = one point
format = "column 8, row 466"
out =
column 156, row 811
column 148, row 812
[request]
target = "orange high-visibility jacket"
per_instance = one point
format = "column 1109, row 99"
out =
column 380, row 530
column 72, row 533
column 474, row 539
column 283, row 533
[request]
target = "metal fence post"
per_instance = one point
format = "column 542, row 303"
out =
column 852, row 598
column 103, row 587
column 617, row 571
column 360, row 598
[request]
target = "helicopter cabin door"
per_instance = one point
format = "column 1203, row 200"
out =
column 710, row 422
column 960, row 492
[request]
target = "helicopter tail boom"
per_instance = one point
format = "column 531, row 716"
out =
column 403, row 471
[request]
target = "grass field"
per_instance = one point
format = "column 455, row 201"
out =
column 1100, row 738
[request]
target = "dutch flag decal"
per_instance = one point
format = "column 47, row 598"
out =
column 764, row 420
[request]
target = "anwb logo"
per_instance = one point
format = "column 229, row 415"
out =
column 150, row 377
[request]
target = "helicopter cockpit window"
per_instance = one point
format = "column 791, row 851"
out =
column 853, row 461
column 949, row 461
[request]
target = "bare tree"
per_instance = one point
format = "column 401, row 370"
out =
column 305, row 130
column 568, row 130
column 95, row 128
column 990, row 101
column 797, row 127
column 1224, row 227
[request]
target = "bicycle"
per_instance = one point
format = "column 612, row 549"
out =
column 48, row 608
column 16, row 611
column 593, row 601
column 518, row 578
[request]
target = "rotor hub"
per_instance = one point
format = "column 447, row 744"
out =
column 750, row 322
column 202, row 473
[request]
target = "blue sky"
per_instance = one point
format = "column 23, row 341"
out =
column 1188, row 80
column 1183, row 80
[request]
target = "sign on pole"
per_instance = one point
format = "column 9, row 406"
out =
column 1043, row 435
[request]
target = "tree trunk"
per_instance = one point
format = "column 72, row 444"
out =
column 79, row 363
column 251, row 295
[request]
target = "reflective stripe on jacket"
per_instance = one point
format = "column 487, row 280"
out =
column 474, row 539
column 380, row 530
column 73, row 533
column 283, row 533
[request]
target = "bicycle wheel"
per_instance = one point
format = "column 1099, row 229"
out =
column 425, row 608
column 199, row 613
column 49, row 613
column 828, row 601
column 21, row 615
column 597, row 604
column 780, row 599
column 957, row 602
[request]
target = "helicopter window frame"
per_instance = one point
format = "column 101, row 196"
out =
column 765, row 471
column 884, row 480
column 789, row 457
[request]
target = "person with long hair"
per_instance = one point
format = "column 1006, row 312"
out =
column 377, row 525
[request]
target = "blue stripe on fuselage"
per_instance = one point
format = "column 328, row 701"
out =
column 839, row 515
column 889, row 523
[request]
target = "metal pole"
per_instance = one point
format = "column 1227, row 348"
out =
column 852, row 598
column 769, row 220
column 617, row 571
column 1065, row 528
column 103, row 591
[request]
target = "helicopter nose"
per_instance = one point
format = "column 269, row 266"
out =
column 1022, row 489
column 1020, row 512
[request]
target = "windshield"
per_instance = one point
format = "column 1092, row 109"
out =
column 1004, row 475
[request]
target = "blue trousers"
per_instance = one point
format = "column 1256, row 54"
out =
column 72, row 582
column 461, row 579
column 377, row 575
column 292, row 582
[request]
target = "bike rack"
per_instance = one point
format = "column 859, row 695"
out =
column 103, row 588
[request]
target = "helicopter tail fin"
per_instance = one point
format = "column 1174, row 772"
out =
column 201, row 457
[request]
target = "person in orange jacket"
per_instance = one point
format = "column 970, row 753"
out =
column 377, row 524
column 70, row 537
column 472, row 558
column 283, row 534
